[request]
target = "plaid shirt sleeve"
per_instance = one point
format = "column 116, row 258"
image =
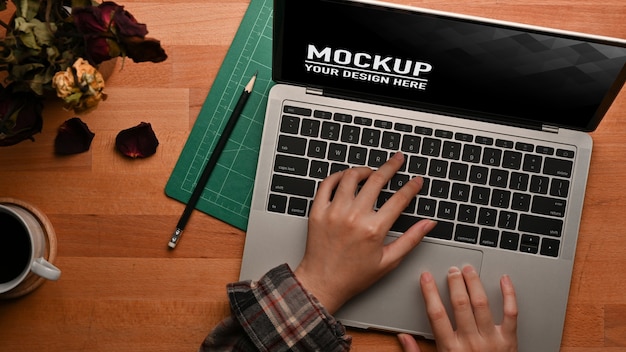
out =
column 276, row 314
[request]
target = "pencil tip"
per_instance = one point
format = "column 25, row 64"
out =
column 251, row 83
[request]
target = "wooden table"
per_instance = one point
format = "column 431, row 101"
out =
column 123, row 290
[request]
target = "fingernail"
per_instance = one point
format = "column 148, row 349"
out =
column 454, row 270
column 398, row 155
column 427, row 277
column 468, row 269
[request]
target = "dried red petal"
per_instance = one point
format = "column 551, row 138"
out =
column 137, row 142
column 73, row 137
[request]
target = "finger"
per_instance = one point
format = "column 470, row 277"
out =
column 509, row 322
column 398, row 249
column 346, row 190
column 461, row 304
column 400, row 200
column 325, row 192
column 437, row 315
column 408, row 343
column 379, row 178
column 478, row 298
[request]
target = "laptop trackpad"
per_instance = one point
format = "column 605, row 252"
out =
column 396, row 303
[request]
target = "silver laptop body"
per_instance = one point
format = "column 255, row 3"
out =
column 518, row 123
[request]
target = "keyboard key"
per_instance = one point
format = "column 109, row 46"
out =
column 550, row 247
column 324, row 115
column 540, row 225
column 397, row 181
column 524, row 147
column 431, row 147
column 559, row 188
column 391, row 140
column 489, row 237
column 451, row 150
column 443, row 230
column 310, row 128
column 487, row 217
column 504, row 143
column 478, row 174
column 418, row 165
column 539, row 184
column 447, row 210
column 467, row 213
column 297, row 206
column 512, row 160
column 466, row 234
column 544, row 150
column 529, row 244
column 357, row 155
column 426, row 207
column 383, row 124
column 440, row 189
column 411, row 144
column 291, row 165
column 507, row 220
column 472, row 153
column 460, row 192
column 519, row 181
column 296, row 110
column 558, row 167
column 532, row 163
column 463, row 137
column 342, row 117
column 376, row 158
column 402, row 127
column 425, row 131
column 438, row 168
column 290, row 124
column 500, row 198
column 319, row 169
column 337, row 152
column 292, row 185
column 335, row 167
column 509, row 240
column 363, row 121
column 548, row 206
column 277, row 203
column 480, row 195
column 317, row 149
column 350, row 134
column 444, row 134
column 330, row 131
column 492, row 157
column 484, row 140
column 521, row 202
column 499, row 178
column 370, row 137
column 458, row 172
column 565, row 153
column 291, row 145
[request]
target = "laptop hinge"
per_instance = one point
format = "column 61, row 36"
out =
column 551, row 129
column 314, row 91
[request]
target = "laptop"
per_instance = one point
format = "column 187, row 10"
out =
column 494, row 115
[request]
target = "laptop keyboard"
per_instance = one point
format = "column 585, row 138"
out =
column 483, row 189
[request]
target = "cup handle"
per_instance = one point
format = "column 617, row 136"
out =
column 46, row 270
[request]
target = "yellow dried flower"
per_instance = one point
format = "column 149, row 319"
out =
column 80, row 86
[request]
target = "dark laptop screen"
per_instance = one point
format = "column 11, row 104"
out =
column 439, row 63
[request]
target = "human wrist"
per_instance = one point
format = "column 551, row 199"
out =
column 328, row 297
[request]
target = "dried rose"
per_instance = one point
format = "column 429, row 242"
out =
column 20, row 116
column 73, row 137
column 137, row 142
column 80, row 86
column 111, row 31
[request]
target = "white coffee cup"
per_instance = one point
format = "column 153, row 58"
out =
column 22, row 248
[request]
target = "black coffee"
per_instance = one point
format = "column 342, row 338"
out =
column 15, row 248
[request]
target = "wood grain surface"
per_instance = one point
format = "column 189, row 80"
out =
column 123, row 290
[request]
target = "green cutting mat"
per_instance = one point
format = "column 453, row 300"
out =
column 228, row 194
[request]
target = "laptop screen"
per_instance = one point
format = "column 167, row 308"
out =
column 439, row 63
